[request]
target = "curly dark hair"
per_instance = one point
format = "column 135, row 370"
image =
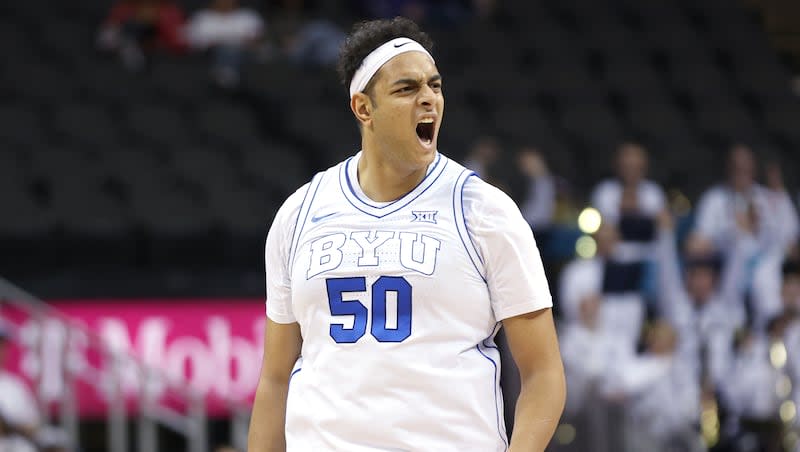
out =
column 368, row 36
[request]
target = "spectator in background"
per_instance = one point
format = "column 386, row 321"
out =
column 488, row 159
column 588, row 353
column 538, row 206
column 483, row 156
column 630, row 201
column 767, row 272
column 313, row 44
column 229, row 33
column 780, row 207
column 790, row 287
column 19, row 413
column 135, row 28
column 741, row 203
column 752, row 388
column 582, row 279
column 706, row 305
column 616, row 283
column 662, row 395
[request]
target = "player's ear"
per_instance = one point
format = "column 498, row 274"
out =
column 362, row 107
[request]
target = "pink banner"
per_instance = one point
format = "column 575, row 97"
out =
column 210, row 346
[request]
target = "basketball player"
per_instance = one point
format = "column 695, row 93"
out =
column 388, row 276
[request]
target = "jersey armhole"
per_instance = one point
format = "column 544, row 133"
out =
column 461, row 223
column 302, row 216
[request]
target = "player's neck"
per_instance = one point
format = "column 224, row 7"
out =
column 382, row 181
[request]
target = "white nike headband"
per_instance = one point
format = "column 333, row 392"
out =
column 378, row 57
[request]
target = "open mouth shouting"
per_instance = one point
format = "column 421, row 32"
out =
column 425, row 130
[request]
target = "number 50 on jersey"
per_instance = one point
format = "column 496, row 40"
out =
column 378, row 293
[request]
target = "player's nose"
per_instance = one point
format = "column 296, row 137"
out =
column 426, row 96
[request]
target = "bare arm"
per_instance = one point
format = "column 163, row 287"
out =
column 670, row 283
column 267, row 425
column 534, row 345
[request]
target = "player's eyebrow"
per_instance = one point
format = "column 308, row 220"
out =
column 411, row 81
column 406, row 81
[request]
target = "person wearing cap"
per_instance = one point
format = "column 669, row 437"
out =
column 388, row 277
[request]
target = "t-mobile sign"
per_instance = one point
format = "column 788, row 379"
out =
column 210, row 346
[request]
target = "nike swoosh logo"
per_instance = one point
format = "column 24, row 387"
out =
column 314, row 219
column 400, row 45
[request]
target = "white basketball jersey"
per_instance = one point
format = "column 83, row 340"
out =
column 398, row 305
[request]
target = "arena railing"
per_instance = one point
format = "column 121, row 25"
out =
column 45, row 324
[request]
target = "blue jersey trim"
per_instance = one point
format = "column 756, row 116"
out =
column 296, row 222
column 291, row 376
column 491, row 336
column 466, row 226
column 496, row 408
column 459, row 220
column 350, row 194
column 367, row 201
column 307, row 207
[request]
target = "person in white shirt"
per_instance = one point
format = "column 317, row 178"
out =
column 757, row 384
column 586, row 351
column 229, row 33
column 705, row 302
column 589, row 354
column 583, row 278
column 630, row 201
column 766, row 281
column 622, row 309
column 388, row 277
column 661, row 393
column 741, row 203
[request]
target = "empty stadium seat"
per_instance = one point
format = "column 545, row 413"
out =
column 41, row 84
column 184, row 81
column 210, row 169
column 330, row 130
column 86, row 124
column 593, row 125
column 108, row 82
column 523, row 125
column 228, row 123
column 783, row 121
column 23, row 126
column 67, row 42
column 160, row 125
column 636, row 82
column 658, row 122
column 280, row 168
column 725, row 122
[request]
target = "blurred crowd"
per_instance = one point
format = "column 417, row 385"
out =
column 681, row 332
column 231, row 34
